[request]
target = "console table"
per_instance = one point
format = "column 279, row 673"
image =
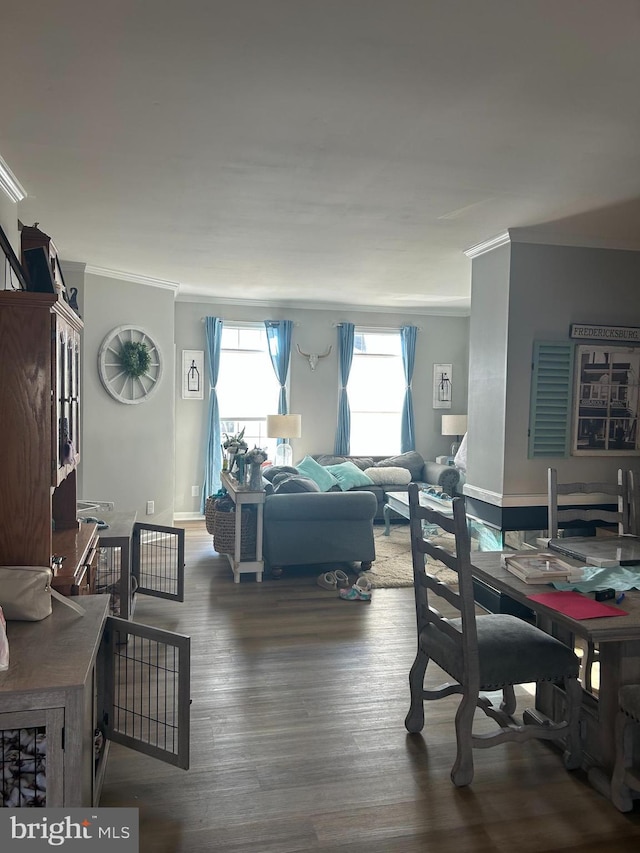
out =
column 241, row 496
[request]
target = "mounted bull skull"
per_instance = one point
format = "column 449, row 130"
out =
column 313, row 359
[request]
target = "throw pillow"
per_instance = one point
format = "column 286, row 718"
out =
column 411, row 460
column 349, row 475
column 295, row 483
column 272, row 471
column 389, row 476
column 316, row 472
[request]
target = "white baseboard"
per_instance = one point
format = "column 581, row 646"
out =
column 188, row 516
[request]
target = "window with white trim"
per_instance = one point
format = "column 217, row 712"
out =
column 376, row 390
column 247, row 386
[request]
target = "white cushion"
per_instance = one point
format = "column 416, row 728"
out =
column 389, row 476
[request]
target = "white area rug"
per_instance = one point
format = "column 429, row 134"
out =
column 392, row 566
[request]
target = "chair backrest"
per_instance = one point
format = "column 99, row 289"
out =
column 633, row 494
column 425, row 582
column 608, row 493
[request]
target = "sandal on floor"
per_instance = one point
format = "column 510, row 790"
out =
column 360, row 591
column 333, row 580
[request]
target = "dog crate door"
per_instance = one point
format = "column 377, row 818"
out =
column 158, row 560
column 147, row 690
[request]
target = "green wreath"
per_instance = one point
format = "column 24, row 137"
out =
column 135, row 358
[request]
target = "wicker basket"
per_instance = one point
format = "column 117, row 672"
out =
column 220, row 519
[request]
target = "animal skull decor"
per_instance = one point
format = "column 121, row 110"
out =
column 313, row 358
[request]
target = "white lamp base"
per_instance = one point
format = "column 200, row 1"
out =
column 284, row 454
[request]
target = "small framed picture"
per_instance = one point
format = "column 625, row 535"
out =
column 442, row 386
column 192, row 374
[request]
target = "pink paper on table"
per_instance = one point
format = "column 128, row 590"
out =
column 576, row 605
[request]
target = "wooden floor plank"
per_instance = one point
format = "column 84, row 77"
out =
column 298, row 742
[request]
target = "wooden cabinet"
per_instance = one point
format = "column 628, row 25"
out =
column 76, row 682
column 40, row 428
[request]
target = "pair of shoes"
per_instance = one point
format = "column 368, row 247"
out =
column 333, row 580
column 360, row 591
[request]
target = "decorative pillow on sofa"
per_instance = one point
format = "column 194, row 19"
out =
column 349, row 475
column 272, row 471
column 316, row 472
column 387, row 475
column 295, row 483
column 411, row 460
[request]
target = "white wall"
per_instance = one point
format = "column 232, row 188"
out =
column 9, row 221
column 128, row 450
column 540, row 290
column 314, row 394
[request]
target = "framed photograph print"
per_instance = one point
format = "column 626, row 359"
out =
column 192, row 374
column 442, row 386
column 606, row 401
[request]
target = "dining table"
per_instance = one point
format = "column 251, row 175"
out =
column 618, row 641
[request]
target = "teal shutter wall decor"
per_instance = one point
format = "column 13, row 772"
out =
column 551, row 395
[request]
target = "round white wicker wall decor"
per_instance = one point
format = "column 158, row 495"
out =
column 116, row 381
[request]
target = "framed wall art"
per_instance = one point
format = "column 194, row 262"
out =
column 606, row 401
column 192, row 374
column 442, row 391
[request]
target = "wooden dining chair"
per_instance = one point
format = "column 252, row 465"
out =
column 620, row 494
column 488, row 653
column 625, row 782
column 608, row 493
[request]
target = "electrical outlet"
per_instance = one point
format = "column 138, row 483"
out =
column 151, row 507
column 195, row 491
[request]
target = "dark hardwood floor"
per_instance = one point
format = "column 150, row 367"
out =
column 298, row 740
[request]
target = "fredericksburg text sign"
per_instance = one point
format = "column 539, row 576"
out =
column 605, row 333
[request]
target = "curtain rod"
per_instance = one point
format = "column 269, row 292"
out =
column 247, row 322
column 377, row 328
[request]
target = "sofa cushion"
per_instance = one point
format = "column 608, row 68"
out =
column 411, row 460
column 389, row 476
column 349, row 475
column 272, row 471
column 316, row 472
column 295, row 483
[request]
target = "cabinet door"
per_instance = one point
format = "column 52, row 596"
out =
column 32, row 758
column 158, row 560
column 147, row 689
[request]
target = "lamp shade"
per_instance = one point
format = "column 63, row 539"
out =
column 454, row 424
column 284, row 426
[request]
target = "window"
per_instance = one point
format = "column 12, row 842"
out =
column 376, row 390
column 247, row 386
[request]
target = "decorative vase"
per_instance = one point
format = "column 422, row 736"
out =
column 255, row 477
column 241, row 474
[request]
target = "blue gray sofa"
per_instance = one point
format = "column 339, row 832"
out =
column 444, row 477
column 309, row 528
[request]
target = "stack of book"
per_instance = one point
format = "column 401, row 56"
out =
column 539, row 567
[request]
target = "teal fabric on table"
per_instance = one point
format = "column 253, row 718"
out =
column 595, row 578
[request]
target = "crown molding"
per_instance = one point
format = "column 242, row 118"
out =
column 549, row 238
column 487, row 245
column 134, row 277
column 536, row 236
column 9, row 184
column 297, row 305
column 73, row 266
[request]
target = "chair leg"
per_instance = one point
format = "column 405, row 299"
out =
column 590, row 657
column 620, row 792
column 414, row 721
column 573, row 748
column 462, row 770
column 508, row 704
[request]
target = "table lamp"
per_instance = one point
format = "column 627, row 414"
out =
column 285, row 427
column 454, row 425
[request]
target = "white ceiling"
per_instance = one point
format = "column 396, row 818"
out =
column 321, row 151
